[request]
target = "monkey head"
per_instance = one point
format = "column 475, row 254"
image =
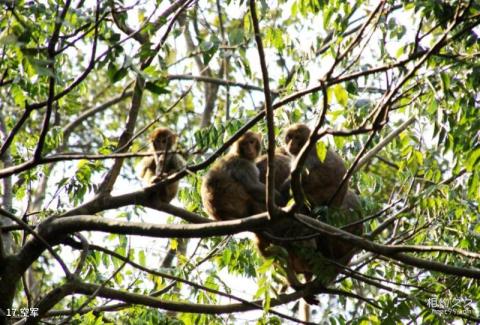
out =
column 248, row 146
column 162, row 139
column 295, row 137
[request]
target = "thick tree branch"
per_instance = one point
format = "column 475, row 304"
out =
column 109, row 180
column 172, row 277
column 133, row 298
column 52, row 231
column 39, row 238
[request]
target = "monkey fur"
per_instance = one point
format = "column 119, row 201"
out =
column 320, row 179
column 232, row 189
column 295, row 263
column 282, row 168
column 162, row 163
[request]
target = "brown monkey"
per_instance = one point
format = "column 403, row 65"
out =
column 320, row 181
column 282, row 168
column 232, row 189
column 351, row 205
column 161, row 163
column 322, row 259
column 321, row 178
column 294, row 261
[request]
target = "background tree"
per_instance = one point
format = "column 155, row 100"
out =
column 82, row 83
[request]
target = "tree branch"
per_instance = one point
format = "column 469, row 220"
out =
column 386, row 250
column 270, row 197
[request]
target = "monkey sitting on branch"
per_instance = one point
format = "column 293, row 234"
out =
column 232, row 188
column 320, row 179
column 162, row 163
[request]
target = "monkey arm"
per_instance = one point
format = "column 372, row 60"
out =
column 159, row 162
column 174, row 163
column 258, row 192
column 246, row 173
column 177, row 162
column 146, row 169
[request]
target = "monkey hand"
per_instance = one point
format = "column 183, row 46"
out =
column 158, row 178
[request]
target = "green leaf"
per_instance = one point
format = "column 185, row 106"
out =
column 119, row 74
column 235, row 36
column 419, row 157
column 41, row 67
column 173, row 244
column 473, row 160
column 18, row 95
column 156, row 88
column 352, row 88
column 321, row 151
column 209, row 48
column 141, row 257
column 265, row 267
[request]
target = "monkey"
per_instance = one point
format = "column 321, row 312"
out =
column 351, row 205
column 321, row 179
column 293, row 262
column 323, row 259
column 232, row 188
column 161, row 163
column 282, row 168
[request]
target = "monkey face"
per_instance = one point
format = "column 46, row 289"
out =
column 296, row 137
column 293, row 145
column 249, row 146
column 162, row 139
column 162, row 143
